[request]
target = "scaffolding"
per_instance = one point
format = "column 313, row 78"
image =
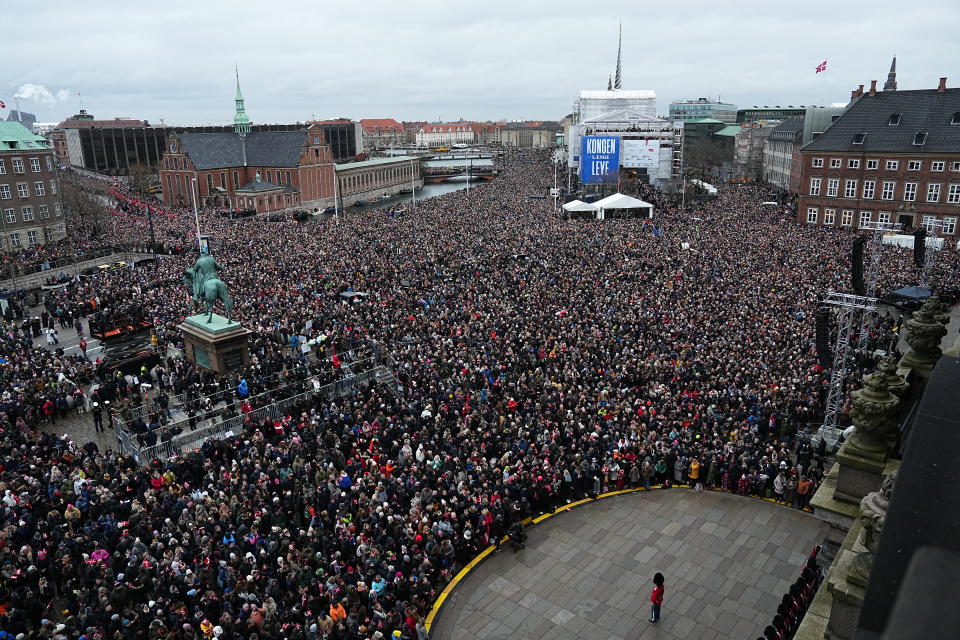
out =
column 849, row 310
column 933, row 227
column 873, row 271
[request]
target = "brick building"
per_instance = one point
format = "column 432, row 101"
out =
column 445, row 134
column 893, row 156
column 382, row 133
column 265, row 171
column 29, row 189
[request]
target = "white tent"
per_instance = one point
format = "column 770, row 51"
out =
column 580, row 209
column 622, row 206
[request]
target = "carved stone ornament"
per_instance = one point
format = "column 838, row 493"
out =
column 873, row 514
column 924, row 331
column 895, row 383
column 874, row 410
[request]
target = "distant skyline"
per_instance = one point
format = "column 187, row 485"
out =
column 431, row 60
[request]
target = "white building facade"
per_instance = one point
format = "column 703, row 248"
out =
column 436, row 135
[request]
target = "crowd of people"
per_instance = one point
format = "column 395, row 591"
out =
column 540, row 360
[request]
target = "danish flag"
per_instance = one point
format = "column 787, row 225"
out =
column 822, row 66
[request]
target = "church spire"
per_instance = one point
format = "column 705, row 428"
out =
column 609, row 83
column 891, row 83
column 616, row 81
column 241, row 123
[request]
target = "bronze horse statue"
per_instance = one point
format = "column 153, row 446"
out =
column 206, row 285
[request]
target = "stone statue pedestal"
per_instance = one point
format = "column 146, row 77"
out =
column 219, row 345
column 860, row 472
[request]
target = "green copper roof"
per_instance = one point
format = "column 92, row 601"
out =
column 374, row 162
column 14, row 135
column 731, row 131
column 703, row 121
column 241, row 123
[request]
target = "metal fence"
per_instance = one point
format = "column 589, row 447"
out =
column 192, row 439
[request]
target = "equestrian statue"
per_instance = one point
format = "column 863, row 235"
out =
column 205, row 285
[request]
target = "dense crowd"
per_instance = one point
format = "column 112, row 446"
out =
column 540, row 359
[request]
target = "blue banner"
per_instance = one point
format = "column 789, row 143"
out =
column 599, row 159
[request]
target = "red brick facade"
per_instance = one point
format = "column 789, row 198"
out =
column 843, row 188
column 308, row 183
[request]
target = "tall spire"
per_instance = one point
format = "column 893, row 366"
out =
column 241, row 123
column 891, row 83
column 609, row 83
column 616, row 81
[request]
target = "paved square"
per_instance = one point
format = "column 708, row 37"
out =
column 587, row 573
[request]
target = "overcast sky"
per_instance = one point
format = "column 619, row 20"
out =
column 479, row 60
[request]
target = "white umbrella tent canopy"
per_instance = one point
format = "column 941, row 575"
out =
column 622, row 206
column 580, row 209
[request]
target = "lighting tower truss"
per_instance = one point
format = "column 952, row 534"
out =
column 933, row 228
column 872, row 275
column 849, row 308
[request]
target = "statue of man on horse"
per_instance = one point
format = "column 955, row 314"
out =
column 206, row 286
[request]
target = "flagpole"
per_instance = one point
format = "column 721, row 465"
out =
column 336, row 205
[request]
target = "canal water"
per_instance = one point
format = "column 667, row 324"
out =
column 433, row 190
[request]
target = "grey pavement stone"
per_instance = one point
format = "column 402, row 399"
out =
column 587, row 573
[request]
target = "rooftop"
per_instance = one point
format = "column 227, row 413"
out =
column 263, row 149
column 380, row 124
column 618, row 94
column 730, row 130
column 922, row 111
column 703, row 121
column 373, row 163
column 14, row 136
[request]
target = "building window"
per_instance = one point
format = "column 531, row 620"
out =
column 56, row 209
column 933, row 192
column 287, row 176
column 853, row 163
column 39, row 188
column 909, row 191
column 18, row 165
column 850, row 189
column 829, row 216
column 893, row 165
column 872, row 164
column 817, row 163
column 814, row 186
column 53, row 187
column 953, row 194
column 920, row 139
column 209, row 184
column 23, row 190
column 858, row 138
column 10, row 215
column 833, row 185
column 887, row 193
column 4, row 192
column 49, row 163
column 937, row 166
column 236, row 179
column 894, row 119
column 914, row 165
column 3, row 168
column 812, row 215
column 35, row 165
column 883, row 216
column 27, row 213
column 31, row 237
column 14, row 239
column 835, row 163
column 928, row 223
column 865, row 217
column 846, row 218
column 44, row 211
column 949, row 225
column 223, row 180
column 868, row 189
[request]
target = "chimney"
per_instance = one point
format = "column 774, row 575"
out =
column 943, row 86
column 859, row 91
column 853, row 95
column 873, row 87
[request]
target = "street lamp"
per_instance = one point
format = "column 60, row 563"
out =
column 196, row 213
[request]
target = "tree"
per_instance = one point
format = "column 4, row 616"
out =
column 704, row 157
column 85, row 212
column 142, row 178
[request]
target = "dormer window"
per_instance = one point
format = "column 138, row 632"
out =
column 920, row 139
column 894, row 119
column 956, row 118
column 858, row 138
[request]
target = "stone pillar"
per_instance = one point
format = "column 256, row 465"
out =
column 924, row 331
column 848, row 577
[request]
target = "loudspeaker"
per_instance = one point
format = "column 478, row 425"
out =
column 823, row 337
column 856, row 267
column 919, row 246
